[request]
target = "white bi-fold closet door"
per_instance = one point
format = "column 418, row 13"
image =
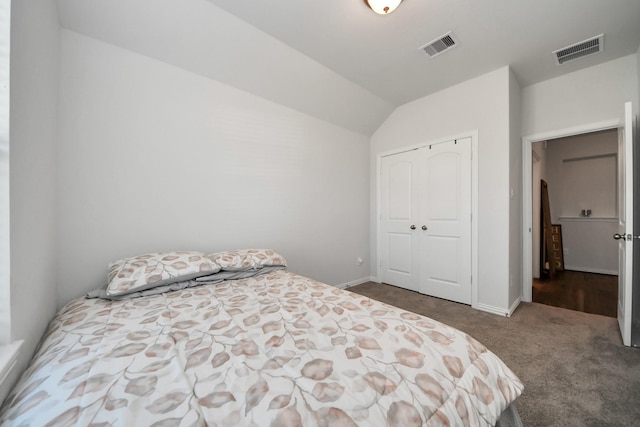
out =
column 425, row 220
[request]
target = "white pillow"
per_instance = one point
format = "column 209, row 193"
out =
column 142, row 272
column 247, row 259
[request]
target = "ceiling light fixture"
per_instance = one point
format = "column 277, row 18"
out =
column 383, row 7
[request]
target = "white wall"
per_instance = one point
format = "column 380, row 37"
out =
column 32, row 139
column 5, row 226
column 479, row 104
column 515, row 193
column 587, row 242
column 595, row 187
column 153, row 158
column 591, row 95
column 198, row 36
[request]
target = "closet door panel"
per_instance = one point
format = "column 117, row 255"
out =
column 445, row 207
column 399, row 210
column 441, row 263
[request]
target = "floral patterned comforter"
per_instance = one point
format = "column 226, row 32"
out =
column 276, row 349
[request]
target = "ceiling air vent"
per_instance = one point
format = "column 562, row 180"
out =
column 588, row 47
column 441, row 44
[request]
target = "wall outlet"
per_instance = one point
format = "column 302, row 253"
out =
column 359, row 260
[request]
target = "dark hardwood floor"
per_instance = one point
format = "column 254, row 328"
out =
column 576, row 290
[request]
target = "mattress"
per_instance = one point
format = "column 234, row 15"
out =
column 275, row 349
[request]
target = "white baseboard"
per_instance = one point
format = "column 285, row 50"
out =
column 481, row 307
column 495, row 310
column 355, row 282
column 591, row 270
column 515, row 305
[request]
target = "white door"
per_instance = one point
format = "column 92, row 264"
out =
column 425, row 220
column 625, row 224
column 445, row 221
column 398, row 213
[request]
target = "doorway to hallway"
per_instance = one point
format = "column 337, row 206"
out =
column 582, row 174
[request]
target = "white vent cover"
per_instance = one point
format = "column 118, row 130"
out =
column 441, row 44
column 578, row 50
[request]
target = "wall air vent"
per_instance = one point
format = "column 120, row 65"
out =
column 441, row 44
column 578, row 50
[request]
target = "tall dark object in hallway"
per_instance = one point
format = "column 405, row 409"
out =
column 548, row 265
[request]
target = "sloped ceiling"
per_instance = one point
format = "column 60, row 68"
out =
column 339, row 61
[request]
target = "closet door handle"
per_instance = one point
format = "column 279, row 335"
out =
column 424, row 227
column 413, row 227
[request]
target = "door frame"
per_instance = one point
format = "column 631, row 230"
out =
column 474, row 202
column 527, row 192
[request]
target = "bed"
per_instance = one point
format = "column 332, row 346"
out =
column 234, row 339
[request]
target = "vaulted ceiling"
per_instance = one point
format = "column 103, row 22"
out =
column 339, row 61
column 382, row 53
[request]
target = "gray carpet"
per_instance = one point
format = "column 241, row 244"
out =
column 574, row 367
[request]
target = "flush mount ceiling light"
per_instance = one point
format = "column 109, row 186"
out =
column 383, row 7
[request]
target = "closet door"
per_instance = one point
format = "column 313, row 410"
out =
column 445, row 221
column 398, row 214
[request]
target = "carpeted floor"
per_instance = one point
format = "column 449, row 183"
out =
column 574, row 367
